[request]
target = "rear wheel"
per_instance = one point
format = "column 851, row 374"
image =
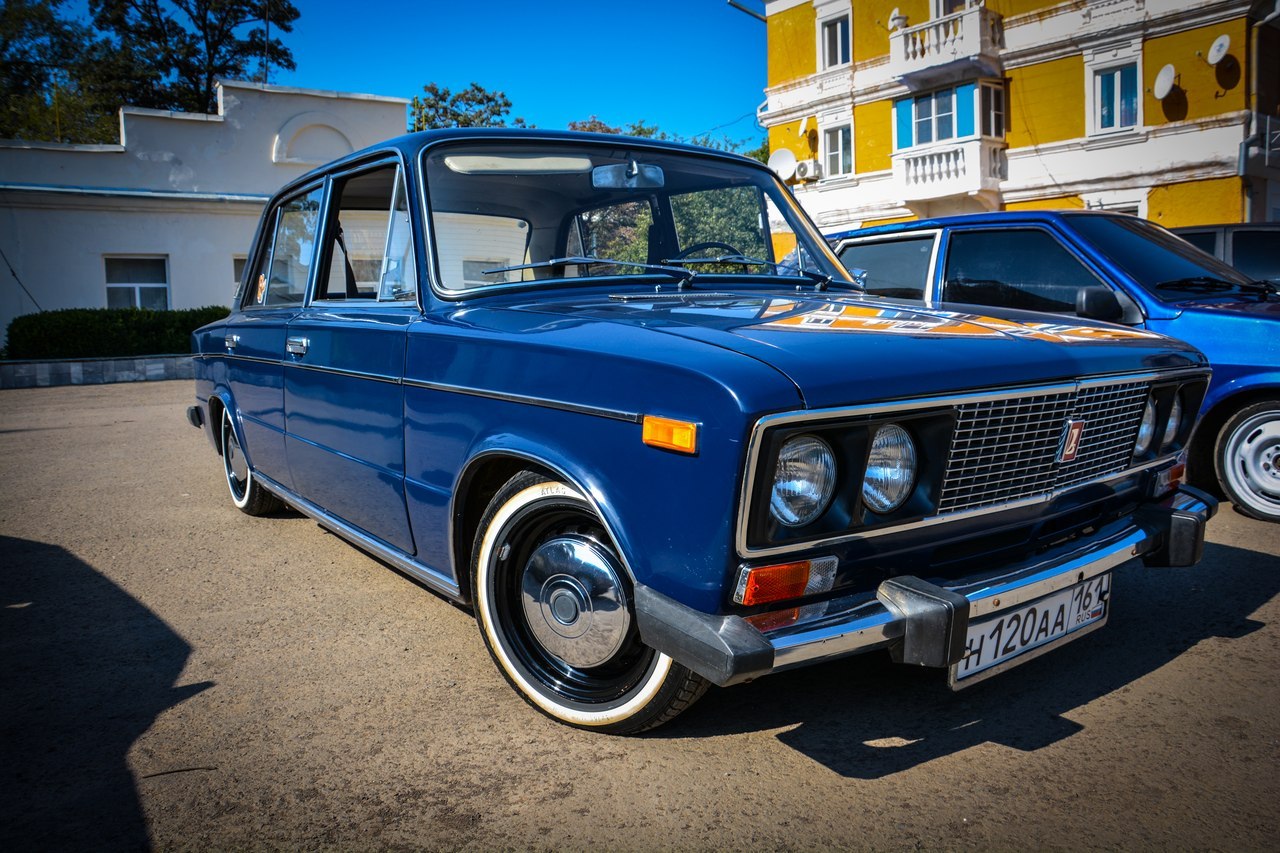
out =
column 246, row 493
column 554, row 606
column 1248, row 460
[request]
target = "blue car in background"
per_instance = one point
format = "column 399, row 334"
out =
column 1107, row 266
column 570, row 381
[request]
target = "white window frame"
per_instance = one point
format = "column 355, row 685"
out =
column 939, row 7
column 831, row 13
column 981, row 112
column 137, row 286
column 933, row 119
column 835, row 126
column 1122, row 201
column 1105, row 60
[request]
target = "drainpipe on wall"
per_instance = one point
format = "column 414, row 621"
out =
column 1255, row 133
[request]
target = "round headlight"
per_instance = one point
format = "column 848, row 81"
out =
column 1146, row 430
column 1175, row 423
column 891, row 469
column 803, row 481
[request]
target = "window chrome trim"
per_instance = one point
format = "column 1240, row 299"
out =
column 756, row 443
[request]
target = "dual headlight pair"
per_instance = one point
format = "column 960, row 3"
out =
column 1147, row 429
column 804, row 479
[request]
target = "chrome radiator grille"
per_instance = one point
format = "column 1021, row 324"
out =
column 1006, row 450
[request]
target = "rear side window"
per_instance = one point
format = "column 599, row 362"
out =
column 1024, row 269
column 1257, row 254
column 897, row 268
column 1205, row 241
column 370, row 242
column 281, row 276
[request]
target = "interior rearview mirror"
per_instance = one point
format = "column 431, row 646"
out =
column 627, row 176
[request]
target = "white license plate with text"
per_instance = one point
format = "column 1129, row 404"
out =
column 995, row 644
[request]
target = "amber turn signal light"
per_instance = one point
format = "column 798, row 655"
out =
column 765, row 584
column 670, row 434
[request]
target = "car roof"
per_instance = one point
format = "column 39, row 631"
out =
column 1000, row 217
column 411, row 143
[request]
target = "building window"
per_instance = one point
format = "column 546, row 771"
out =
column 935, row 116
column 837, row 146
column 993, row 110
column 942, row 8
column 1115, row 97
column 138, row 283
column 835, row 42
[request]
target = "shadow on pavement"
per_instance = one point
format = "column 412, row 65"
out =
column 84, row 670
column 864, row 717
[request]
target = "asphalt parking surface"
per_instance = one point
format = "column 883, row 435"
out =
column 178, row 675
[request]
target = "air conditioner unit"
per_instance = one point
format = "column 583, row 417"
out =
column 808, row 170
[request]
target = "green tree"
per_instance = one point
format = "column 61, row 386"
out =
column 474, row 106
column 172, row 53
column 644, row 130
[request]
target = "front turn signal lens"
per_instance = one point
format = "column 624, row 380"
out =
column 765, row 584
column 670, row 434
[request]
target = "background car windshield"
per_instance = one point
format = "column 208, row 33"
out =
column 509, row 204
column 1154, row 257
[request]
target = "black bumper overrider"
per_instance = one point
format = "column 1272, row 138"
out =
column 920, row 622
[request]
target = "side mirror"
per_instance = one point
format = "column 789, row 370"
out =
column 1099, row 303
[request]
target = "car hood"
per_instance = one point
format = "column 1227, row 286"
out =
column 839, row 349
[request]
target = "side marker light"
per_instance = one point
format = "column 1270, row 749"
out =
column 670, row 434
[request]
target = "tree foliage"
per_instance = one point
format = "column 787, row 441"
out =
column 64, row 82
column 182, row 47
column 644, row 130
column 474, row 106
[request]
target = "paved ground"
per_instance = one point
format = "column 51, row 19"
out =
column 174, row 673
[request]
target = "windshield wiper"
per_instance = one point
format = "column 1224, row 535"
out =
column 684, row 275
column 821, row 279
column 1198, row 284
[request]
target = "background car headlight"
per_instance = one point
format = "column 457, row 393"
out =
column 891, row 469
column 803, row 481
column 1174, row 424
column 1146, row 430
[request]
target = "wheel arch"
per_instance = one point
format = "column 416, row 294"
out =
column 1211, row 423
column 481, row 478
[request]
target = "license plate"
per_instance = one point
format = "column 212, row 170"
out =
column 1015, row 636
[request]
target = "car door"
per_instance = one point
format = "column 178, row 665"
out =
column 255, row 335
column 343, row 397
column 1024, row 268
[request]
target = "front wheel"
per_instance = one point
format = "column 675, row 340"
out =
column 246, row 493
column 553, row 604
column 1248, row 460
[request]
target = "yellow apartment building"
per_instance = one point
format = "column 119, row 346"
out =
column 1169, row 109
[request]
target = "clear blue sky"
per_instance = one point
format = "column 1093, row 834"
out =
column 688, row 66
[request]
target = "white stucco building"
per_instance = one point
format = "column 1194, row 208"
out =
column 164, row 219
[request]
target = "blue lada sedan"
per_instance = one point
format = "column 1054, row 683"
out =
column 619, row 397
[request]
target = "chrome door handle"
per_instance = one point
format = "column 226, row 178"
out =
column 231, row 341
column 297, row 346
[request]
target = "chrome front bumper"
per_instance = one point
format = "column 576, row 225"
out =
column 920, row 622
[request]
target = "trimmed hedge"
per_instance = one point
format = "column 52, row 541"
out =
column 106, row 332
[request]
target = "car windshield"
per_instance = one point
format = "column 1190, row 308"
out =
column 1166, row 265
column 512, row 212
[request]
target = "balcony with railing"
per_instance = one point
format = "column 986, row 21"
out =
column 972, row 167
column 964, row 42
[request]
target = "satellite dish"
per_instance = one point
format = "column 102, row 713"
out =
column 1164, row 82
column 783, row 163
column 897, row 20
column 1218, row 49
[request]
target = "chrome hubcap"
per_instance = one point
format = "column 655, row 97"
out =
column 237, row 467
column 574, row 602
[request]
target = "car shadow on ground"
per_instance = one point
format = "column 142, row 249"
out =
column 86, row 670
column 864, row 717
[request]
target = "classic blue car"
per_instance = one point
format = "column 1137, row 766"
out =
column 569, row 380
column 1113, row 267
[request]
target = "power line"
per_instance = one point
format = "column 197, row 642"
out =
column 14, row 273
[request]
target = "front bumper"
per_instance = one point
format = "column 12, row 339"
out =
column 918, row 621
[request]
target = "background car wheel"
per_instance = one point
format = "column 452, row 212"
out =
column 248, row 496
column 554, row 606
column 1248, row 460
